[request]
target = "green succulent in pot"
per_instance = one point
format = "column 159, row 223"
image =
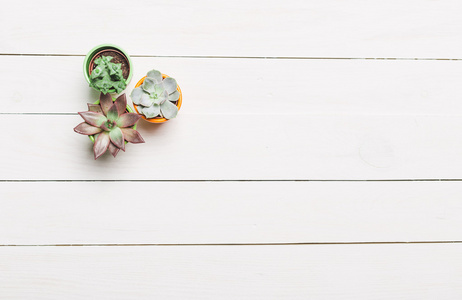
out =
column 108, row 60
column 156, row 96
column 107, row 76
column 110, row 124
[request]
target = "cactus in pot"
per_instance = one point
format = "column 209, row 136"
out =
column 110, row 124
column 107, row 76
column 156, row 96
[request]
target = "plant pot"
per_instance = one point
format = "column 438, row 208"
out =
column 158, row 119
column 118, row 53
column 127, row 109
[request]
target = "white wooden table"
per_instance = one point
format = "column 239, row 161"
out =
column 317, row 154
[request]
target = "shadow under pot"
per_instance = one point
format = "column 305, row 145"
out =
column 158, row 119
column 114, row 83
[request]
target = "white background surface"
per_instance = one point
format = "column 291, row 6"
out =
column 317, row 154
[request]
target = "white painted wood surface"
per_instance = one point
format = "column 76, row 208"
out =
column 244, row 146
column 424, row 271
column 229, row 212
column 259, row 104
column 247, row 86
column 330, row 28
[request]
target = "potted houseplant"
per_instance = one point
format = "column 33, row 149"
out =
column 110, row 125
column 157, row 97
column 108, row 68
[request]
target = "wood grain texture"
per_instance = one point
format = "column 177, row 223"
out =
column 245, row 117
column 251, row 86
column 235, row 147
column 267, row 272
column 334, row 28
column 228, row 212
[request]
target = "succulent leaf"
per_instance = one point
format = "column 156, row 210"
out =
column 174, row 96
column 160, row 98
column 105, row 100
column 104, row 84
column 116, row 77
column 146, row 100
column 148, row 85
column 169, row 110
column 156, row 75
column 121, row 103
column 114, row 68
column 157, row 101
column 107, row 126
column 97, row 72
column 99, row 61
column 113, row 113
column 117, row 138
column 151, row 111
column 101, row 144
column 132, row 136
column 87, row 129
column 170, row 84
column 107, row 58
column 136, row 95
column 95, row 108
column 119, row 86
column 113, row 149
column 158, row 89
column 128, row 119
column 163, row 97
column 103, row 60
column 93, row 118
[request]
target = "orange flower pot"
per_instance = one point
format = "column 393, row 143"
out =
column 158, row 119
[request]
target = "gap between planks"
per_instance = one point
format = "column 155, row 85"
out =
column 246, row 57
column 234, row 244
column 253, row 114
column 234, row 180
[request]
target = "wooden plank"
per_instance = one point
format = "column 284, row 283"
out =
column 425, row 271
column 235, row 147
column 333, row 28
column 48, row 213
column 248, row 86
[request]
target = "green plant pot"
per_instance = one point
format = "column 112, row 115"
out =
column 129, row 109
column 94, row 51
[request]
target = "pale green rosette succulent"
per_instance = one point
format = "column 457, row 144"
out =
column 155, row 96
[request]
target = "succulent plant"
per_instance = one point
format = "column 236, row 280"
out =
column 107, row 75
column 111, row 123
column 155, row 96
